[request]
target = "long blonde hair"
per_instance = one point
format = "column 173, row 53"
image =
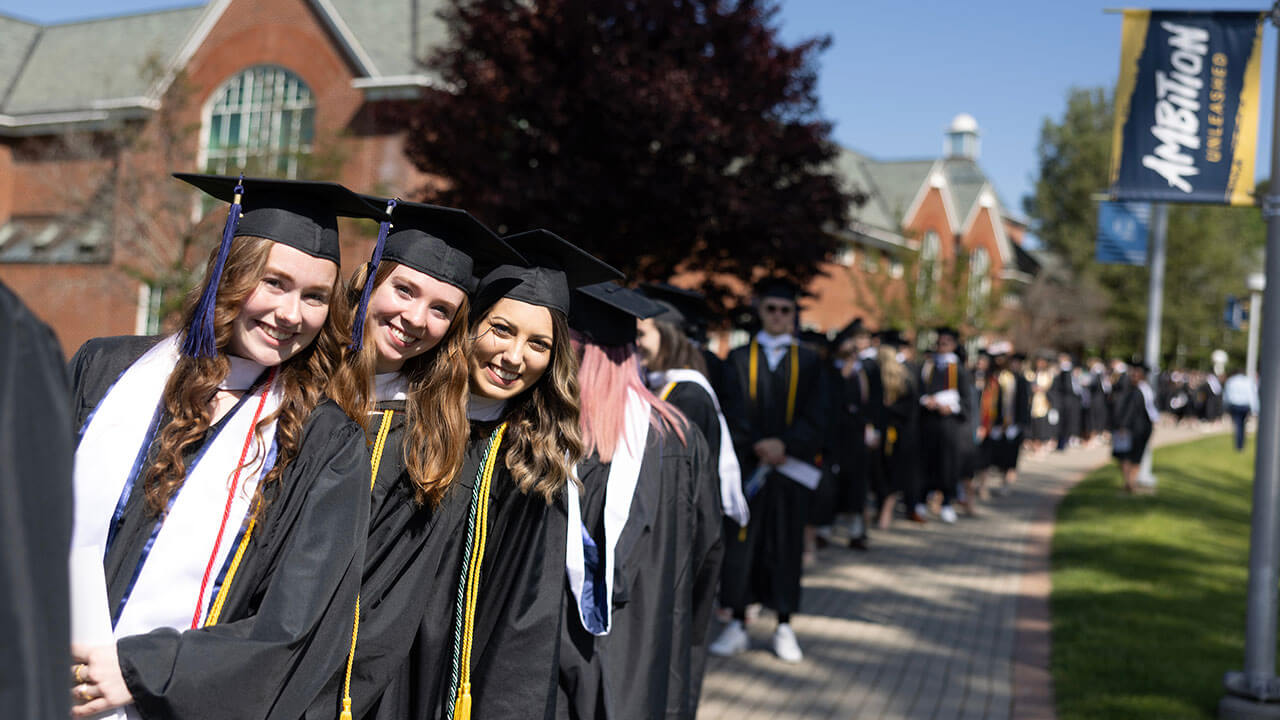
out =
column 893, row 374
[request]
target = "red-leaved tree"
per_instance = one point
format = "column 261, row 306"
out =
column 664, row 136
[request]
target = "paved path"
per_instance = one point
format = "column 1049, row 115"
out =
column 935, row 621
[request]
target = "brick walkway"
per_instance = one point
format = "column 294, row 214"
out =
column 935, row 621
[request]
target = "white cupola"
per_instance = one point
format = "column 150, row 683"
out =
column 962, row 138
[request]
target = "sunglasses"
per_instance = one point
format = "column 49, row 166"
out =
column 779, row 309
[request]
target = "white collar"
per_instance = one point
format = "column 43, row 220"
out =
column 485, row 409
column 944, row 358
column 242, row 374
column 867, row 354
column 390, row 386
column 772, row 342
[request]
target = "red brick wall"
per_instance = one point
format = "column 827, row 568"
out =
column 78, row 301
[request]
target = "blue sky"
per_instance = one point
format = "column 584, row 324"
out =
column 899, row 70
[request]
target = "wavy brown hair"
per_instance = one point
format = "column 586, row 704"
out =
column 194, row 381
column 543, row 438
column 436, row 411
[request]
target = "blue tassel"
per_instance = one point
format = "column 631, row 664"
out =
column 357, row 328
column 200, row 340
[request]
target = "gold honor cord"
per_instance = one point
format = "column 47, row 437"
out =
column 462, row 707
column 666, row 391
column 375, row 460
column 753, row 371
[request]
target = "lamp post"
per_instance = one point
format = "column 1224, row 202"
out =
column 1257, row 282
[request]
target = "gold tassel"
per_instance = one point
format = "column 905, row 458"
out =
column 742, row 534
column 462, row 711
column 346, row 709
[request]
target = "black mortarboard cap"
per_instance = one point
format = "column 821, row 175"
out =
column 686, row 309
column 778, row 287
column 298, row 213
column 554, row 267
column 947, row 330
column 853, row 328
column 445, row 243
column 891, row 337
column 607, row 312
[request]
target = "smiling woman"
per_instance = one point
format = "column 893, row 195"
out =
column 207, row 469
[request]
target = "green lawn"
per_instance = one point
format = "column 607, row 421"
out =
column 1148, row 592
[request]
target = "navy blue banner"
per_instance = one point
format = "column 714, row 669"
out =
column 1122, row 233
column 1186, row 125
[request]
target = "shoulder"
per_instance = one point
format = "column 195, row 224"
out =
column 328, row 418
column 116, row 350
column 690, row 392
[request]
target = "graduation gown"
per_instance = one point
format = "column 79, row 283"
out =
column 667, row 564
column 1133, row 419
column 288, row 614
column 945, row 438
column 516, row 646
column 35, row 503
column 900, row 444
column 765, row 566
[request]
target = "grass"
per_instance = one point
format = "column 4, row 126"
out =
column 1148, row 595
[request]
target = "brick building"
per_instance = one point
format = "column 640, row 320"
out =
column 94, row 114
column 927, row 234
column 89, row 109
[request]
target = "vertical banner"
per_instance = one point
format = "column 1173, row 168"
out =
column 1186, row 109
column 1122, row 233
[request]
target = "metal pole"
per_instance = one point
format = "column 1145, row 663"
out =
column 1258, row 682
column 1257, row 283
column 1155, row 313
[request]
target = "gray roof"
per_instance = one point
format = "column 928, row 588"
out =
column 855, row 177
column 393, row 38
column 95, row 64
column 965, row 180
column 79, row 65
column 898, row 183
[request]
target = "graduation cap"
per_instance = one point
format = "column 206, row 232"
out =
column 947, row 330
column 891, row 337
column 445, row 243
column 554, row 267
column 686, row 309
column 607, row 312
column 778, row 287
column 298, row 213
column 855, row 327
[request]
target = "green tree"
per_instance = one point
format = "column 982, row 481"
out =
column 1211, row 248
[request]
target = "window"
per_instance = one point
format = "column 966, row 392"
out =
column 870, row 262
column 261, row 121
column 147, row 319
column 979, row 277
column 930, row 266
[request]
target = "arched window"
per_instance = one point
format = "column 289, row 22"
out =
column 262, row 121
column 979, row 277
column 930, row 270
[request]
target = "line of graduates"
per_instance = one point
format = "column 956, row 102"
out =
column 453, row 485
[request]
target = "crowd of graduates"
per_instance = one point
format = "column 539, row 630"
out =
column 478, row 477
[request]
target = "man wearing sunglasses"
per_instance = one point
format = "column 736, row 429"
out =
column 774, row 403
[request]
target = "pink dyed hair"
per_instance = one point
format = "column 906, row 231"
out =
column 605, row 374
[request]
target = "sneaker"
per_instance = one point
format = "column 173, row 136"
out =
column 785, row 645
column 732, row 640
column 947, row 514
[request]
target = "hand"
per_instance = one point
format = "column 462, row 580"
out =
column 982, row 434
column 930, row 403
column 103, row 685
column 943, row 410
column 771, row 451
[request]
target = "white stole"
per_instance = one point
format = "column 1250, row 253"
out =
column 165, row 593
column 732, row 501
column 624, row 474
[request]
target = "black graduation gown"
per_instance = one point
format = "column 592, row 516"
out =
column 516, row 650
column 667, row 564
column 288, row 615
column 858, row 397
column 700, row 410
column 900, row 444
column 1132, row 418
column 35, row 516
column 765, row 566
column 945, row 438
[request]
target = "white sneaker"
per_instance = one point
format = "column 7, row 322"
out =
column 732, row 640
column 921, row 509
column 857, row 527
column 947, row 515
column 785, row 645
